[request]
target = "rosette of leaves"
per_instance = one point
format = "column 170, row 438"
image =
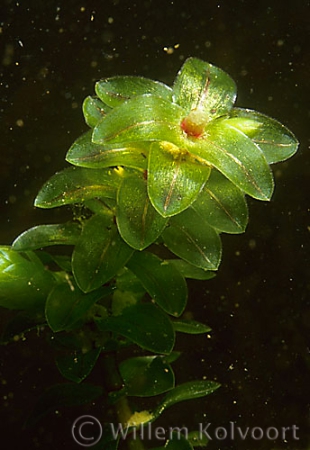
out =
column 161, row 164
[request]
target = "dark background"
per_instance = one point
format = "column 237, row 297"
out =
column 51, row 53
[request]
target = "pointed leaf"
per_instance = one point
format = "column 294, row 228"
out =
column 24, row 281
column 140, row 324
column 78, row 365
column 190, row 271
column 222, row 205
column 275, row 140
column 205, row 88
column 94, row 110
column 161, row 280
column 190, row 326
column 85, row 153
column 143, row 118
column 116, row 90
column 174, row 178
column 191, row 238
column 75, row 185
column 66, row 305
column 138, row 222
column 99, row 254
column 146, row 376
column 186, row 391
column 45, row 235
column 237, row 157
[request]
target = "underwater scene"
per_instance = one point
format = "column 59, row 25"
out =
column 154, row 233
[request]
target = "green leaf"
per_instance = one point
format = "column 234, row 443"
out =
column 143, row 118
column 67, row 306
column 161, row 280
column 222, row 205
column 99, row 254
column 138, row 222
column 146, row 376
column 174, row 178
column 275, row 140
column 236, row 157
column 24, row 281
column 190, row 326
column 197, row 439
column 191, row 238
column 94, row 110
column 144, row 324
column 75, row 185
column 85, row 153
column 45, row 235
column 78, row 365
column 203, row 87
column 186, row 391
column 190, row 271
column 116, row 90
column 65, row 394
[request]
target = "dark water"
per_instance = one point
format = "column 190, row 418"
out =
column 258, row 306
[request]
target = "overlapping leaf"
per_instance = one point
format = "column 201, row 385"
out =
column 85, row 153
column 146, row 376
column 237, row 157
column 222, row 205
column 76, row 185
column 275, row 140
column 45, row 235
column 99, row 254
column 94, row 110
column 161, row 280
column 140, row 324
column 116, row 90
column 204, row 87
column 191, row 238
column 143, row 118
column 138, row 222
column 174, row 178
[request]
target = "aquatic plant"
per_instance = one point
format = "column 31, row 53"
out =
column 162, row 172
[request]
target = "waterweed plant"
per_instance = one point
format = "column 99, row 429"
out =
column 162, row 172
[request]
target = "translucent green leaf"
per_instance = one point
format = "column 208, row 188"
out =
column 174, row 178
column 45, row 235
column 236, row 157
column 161, row 280
column 146, row 376
column 190, row 271
column 94, row 110
column 116, row 90
column 197, row 439
column 222, row 205
column 75, row 185
column 24, row 281
column 275, row 140
column 77, row 365
column 66, row 305
column 140, row 324
column 143, row 118
column 99, row 254
column 205, row 88
column 85, row 153
column 191, row 238
column 65, row 394
column 186, row 391
column 138, row 222
column 190, row 326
